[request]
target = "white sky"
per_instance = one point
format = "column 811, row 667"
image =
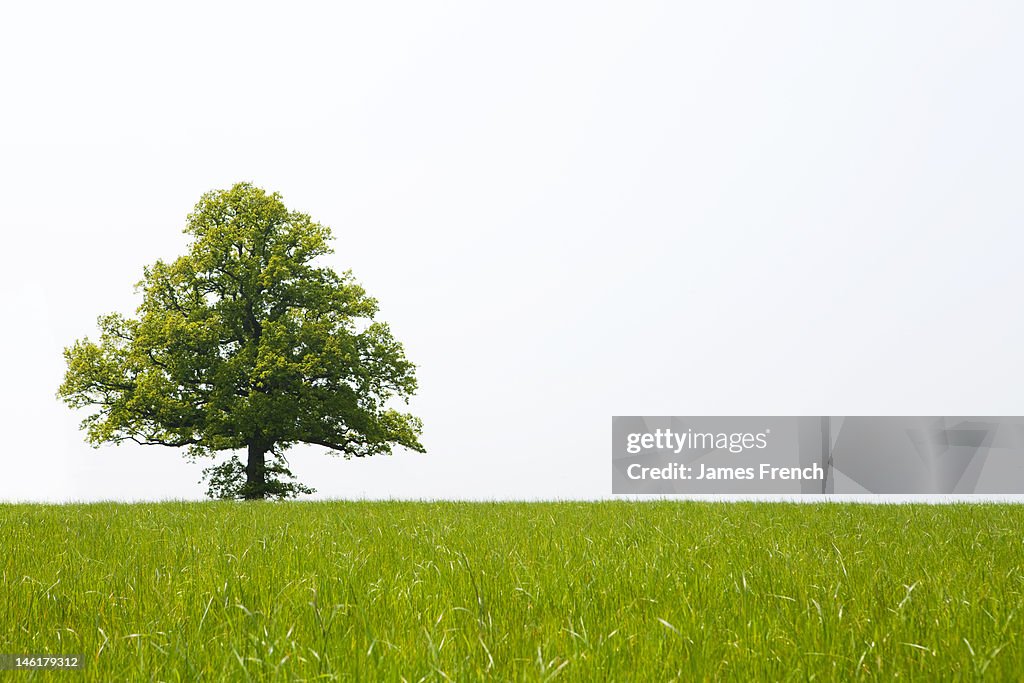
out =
column 568, row 211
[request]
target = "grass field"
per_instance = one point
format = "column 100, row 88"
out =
column 515, row 591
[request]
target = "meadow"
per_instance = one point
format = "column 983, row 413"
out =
column 567, row 591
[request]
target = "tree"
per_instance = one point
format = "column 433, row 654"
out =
column 244, row 343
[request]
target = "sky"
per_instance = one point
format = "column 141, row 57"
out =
column 567, row 211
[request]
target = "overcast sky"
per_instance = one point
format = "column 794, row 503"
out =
column 567, row 211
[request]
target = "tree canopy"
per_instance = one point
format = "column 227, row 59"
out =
column 246, row 343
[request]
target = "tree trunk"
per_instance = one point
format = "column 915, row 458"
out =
column 255, row 473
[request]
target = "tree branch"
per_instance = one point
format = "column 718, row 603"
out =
column 159, row 442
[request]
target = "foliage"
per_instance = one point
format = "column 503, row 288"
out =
column 244, row 342
column 228, row 480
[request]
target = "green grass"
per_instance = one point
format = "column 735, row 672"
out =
column 515, row 591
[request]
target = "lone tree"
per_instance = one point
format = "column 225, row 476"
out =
column 244, row 343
